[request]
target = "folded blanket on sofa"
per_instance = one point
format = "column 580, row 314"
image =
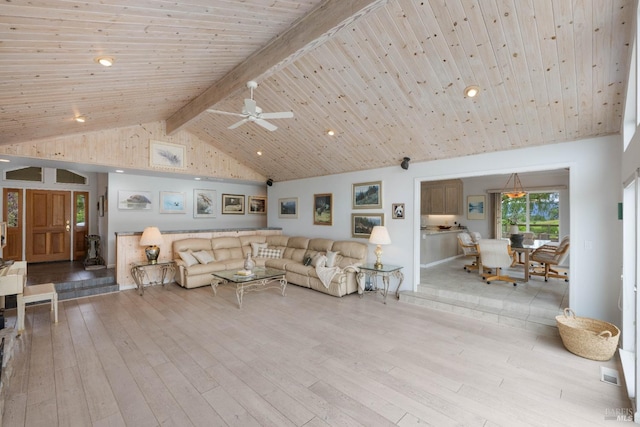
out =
column 326, row 274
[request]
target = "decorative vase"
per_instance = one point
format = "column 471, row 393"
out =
column 249, row 264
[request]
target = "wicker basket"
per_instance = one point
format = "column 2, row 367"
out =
column 589, row 338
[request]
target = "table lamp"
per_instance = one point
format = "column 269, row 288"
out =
column 379, row 236
column 151, row 238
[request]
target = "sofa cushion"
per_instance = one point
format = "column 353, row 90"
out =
column 333, row 258
column 225, row 248
column 296, row 248
column 188, row 258
column 190, row 244
column 269, row 253
column 204, row 257
column 319, row 260
column 255, row 248
column 279, row 263
column 352, row 252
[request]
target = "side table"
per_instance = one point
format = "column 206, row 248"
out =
column 140, row 272
column 386, row 271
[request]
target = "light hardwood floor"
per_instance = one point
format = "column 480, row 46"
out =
column 184, row 357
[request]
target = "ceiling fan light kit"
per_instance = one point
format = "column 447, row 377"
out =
column 252, row 113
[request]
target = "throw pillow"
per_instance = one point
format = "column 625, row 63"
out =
column 203, row 257
column 188, row 258
column 319, row 260
column 255, row 248
column 269, row 253
column 332, row 258
column 306, row 260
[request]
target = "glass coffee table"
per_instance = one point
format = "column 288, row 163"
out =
column 261, row 279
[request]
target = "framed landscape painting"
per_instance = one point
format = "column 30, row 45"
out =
column 204, row 203
column 257, row 204
column 288, row 207
column 233, row 204
column 362, row 224
column 134, row 200
column 323, row 209
column 475, row 207
column 367, row 195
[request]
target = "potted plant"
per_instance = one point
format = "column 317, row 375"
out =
column 514, row 233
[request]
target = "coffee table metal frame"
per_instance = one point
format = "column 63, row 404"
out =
column 262, row 279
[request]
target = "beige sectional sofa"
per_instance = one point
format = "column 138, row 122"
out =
column 289, row 255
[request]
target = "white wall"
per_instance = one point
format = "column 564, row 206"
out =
column 122, row 220
column 595, row 191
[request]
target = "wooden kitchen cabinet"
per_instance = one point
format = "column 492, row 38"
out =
column 441, row 197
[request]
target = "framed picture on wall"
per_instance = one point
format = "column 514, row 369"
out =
column 233, row 204
column 172, row 202
column 367, row 195
column 476, row 206
column 397, row 211
column 204, row 203
column 257, row 205
column 323, row 209
column 167, row 155
column 362, row 224
column 134, row 200
column 288, row 207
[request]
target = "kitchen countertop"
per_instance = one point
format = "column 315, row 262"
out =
column 432, row 230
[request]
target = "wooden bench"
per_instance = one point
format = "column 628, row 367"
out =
column 37, row 293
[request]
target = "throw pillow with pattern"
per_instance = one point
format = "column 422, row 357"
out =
column 269, row 253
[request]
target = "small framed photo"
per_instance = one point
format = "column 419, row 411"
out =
column 476, row 206
column 204, row 203
column 258, row 205
column 367, row 195
column 167, row 155
column 134, row 200
column 397, row 211
column 288, row 208
column 172, row 202
column 362, row 224
column 233, row 204
column 323, row 209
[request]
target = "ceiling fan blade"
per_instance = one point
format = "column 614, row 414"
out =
column 265, row 124
column 227, row 113
column 250, row 107
column 237, row 124
column 281, row 115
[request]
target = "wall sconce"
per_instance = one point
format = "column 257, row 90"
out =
column 151, row 238
column 379, row 236
column 405, row 163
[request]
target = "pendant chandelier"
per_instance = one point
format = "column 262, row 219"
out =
column 517, row 191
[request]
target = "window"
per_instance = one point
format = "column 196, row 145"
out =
column 24, row 174
column 538, row 213
column 64, row 176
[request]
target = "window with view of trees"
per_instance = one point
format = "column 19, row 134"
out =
column 537, row 213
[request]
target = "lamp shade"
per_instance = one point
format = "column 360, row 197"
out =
column 151, row 237
column 380, row 236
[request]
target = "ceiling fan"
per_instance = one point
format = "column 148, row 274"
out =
column 252, row 113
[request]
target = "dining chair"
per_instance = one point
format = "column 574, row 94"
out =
column 469, row 249
column 496, row 254
column 549, row 256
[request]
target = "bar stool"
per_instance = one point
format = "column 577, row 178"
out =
column 37, row 293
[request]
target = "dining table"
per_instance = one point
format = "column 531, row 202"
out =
column 526, row 250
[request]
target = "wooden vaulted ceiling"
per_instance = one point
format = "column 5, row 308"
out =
column 387, row 76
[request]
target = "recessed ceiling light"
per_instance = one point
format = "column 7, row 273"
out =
column 119, row 171
column 471, row 91
column 106, row 61
column 80, row 119
column 5, row 160
column 197, row 178
column 331, row 132
column 259, row 153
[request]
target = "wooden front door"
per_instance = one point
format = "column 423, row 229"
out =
column 12, row 214
column 48, row 225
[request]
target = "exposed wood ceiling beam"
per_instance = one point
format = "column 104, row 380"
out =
column 308, row 33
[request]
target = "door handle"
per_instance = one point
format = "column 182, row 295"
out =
column 68, row 227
